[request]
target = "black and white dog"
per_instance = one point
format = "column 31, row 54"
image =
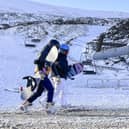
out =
column 27, row 91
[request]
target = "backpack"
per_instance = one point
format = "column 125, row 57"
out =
column 48, row 55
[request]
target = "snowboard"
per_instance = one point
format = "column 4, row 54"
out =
column 75, row 69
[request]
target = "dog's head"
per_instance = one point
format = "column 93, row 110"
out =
column 31, row 82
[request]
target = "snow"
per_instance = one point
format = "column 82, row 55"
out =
column 25, row 6
column 106, row 89
column 79, row 44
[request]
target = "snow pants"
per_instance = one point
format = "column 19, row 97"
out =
column 43, row 85
column 60, row 92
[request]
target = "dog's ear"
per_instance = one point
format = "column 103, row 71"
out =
column 34, row 83
column 29, row 80
column 27, row 77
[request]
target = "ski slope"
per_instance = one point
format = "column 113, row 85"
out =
column 91, row 91
column 106, row 89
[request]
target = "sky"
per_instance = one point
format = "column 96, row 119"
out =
column 106, row 5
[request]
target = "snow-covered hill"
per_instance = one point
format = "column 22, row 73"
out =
column 25, row 6
column 116, row 36
column 95, row 91
column 17, row 60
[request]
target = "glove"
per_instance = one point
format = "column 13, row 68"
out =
column 56, row 80
column 41, row 75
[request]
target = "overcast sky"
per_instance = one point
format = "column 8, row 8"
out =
column 107, row 5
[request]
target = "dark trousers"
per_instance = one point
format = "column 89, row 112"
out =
column 44, row 84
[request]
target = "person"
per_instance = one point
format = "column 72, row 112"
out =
column 42, row 71
column 60, row 70
column 45, row 51
column 60, row 66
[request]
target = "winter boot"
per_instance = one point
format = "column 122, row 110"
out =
column 24, row 107
column 50, row 108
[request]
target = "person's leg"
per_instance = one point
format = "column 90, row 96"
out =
column 49, row 87
column 50, row 92
column 63, row 93
column 57, row 90
column 55, row 84
column 60, row 91
column 38, row 92
column 33, row 96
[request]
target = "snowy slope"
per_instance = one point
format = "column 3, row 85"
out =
column 92, row 91
column 33, row 7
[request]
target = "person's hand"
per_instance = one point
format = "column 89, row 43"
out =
column 41, row 75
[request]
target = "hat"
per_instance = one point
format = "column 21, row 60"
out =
column 64, row 47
